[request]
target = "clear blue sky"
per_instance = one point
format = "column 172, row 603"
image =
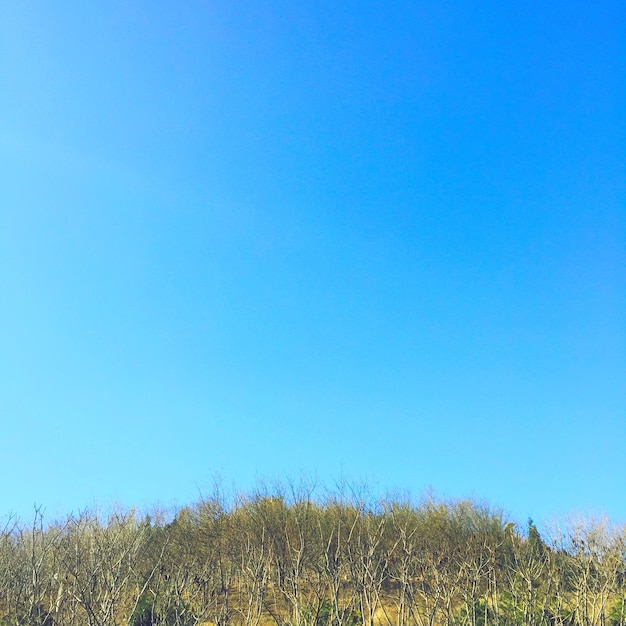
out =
column 379, row 240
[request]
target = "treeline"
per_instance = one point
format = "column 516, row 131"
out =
column 286, row 558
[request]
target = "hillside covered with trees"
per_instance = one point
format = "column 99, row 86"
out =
column 285, row 558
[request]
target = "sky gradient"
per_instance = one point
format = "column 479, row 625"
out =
column 384, row 241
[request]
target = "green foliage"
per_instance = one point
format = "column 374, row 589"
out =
column 326, row 615
column 143, row 615
column 147, row 613
column 476, row 614
column 617, row 613
column 536, row 546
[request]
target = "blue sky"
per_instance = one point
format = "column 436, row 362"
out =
column 384, row 241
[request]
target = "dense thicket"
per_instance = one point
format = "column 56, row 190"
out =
column 288, row 559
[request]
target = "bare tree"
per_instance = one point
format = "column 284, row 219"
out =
column 255, row 556
column 597, row 559
column 100, row 568
column 367, row 559
column 404, row 564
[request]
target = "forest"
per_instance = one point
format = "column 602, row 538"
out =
column 284, row 557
